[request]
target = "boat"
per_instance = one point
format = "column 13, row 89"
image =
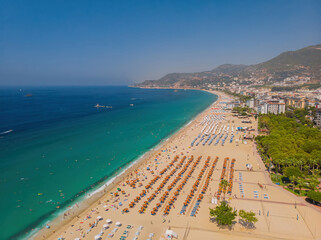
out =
column 101, row 106
column 6, row 132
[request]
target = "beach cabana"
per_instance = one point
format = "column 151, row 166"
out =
column 118, row 224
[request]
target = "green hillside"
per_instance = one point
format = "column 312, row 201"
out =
column 302, row 62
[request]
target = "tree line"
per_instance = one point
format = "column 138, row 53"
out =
column 292, row 150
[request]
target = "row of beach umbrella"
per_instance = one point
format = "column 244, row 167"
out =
column 172, row 185
column 229, row 191
column 222, row 177
column 195, row 185
column 152, row 182
column 161, row 186
column 207, row 182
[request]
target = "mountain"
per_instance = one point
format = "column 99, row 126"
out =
column 304, row 63
column 229, row 68
column 309, row 57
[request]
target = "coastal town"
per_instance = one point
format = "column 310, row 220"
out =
column 264, row 101
column 160, row 120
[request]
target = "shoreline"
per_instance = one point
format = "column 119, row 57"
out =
column 278, row 213
column 84, row 203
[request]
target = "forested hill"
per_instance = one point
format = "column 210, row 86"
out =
column 304, row 62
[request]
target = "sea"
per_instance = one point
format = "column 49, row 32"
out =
column 56, row 146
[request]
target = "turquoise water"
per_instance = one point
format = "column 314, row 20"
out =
column 61, row 146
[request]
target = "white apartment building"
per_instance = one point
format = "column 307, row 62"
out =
column 250, row 103
column 274, row 107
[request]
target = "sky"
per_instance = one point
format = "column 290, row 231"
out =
column 77, row 42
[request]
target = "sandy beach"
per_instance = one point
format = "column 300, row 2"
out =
column 160, row 192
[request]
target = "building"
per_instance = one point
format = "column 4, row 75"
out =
column 262, row 108
column 281, row 108
column 296, row 102
column 231, row 105
column 250, row 103
column 273, row 107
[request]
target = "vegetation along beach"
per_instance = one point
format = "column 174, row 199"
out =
column 154, row 120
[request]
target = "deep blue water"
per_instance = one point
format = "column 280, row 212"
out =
column 61, row 144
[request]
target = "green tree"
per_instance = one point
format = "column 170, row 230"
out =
column 301, row 184
column 290, row 114
column 313, row 183
column 224, row 214
column 315, row 196
column 293, row 173
column 248, row 218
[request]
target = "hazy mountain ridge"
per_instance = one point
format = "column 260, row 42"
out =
column 305, row 62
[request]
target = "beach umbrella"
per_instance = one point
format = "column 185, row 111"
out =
column 118, row 224
column 77, row 238
column 108, row 221
column 100, row 218
column 105, row 226
column 118, row 189
column 97, row 237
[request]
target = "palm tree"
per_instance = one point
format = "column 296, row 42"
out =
column 293, row 179
column 301, row 183
column 313, row 182
column 224, row 184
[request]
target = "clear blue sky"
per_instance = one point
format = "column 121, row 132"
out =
column 65, row 42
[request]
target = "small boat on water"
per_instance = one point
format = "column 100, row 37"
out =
column 102, row 106
column 6, row 132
